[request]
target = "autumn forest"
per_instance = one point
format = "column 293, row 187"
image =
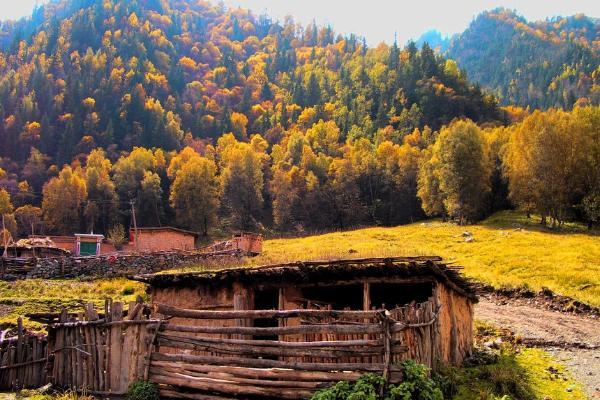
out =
column 215, row 119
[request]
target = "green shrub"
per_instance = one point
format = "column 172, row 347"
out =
column 128, row 291
column 416, row 385
column 142, row 390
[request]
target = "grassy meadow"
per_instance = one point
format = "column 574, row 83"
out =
column 508, row 250
column 33, row 296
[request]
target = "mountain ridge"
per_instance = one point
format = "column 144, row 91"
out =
column 540, row 64
column 85, row 73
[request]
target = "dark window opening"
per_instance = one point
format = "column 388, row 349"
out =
column 334, row 297
column 266, row 299
column 394, row 295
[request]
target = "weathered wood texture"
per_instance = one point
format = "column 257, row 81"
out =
column 22, row 360
column 272, row 338
column 106, row 355
column 301, row 351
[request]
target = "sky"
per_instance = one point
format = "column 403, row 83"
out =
column 381, row 20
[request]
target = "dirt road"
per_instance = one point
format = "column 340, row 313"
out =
column 572, row 339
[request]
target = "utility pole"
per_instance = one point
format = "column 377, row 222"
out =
column 5, row 239
column 135, row 229
column 5, row 253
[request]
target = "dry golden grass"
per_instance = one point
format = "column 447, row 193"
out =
column 36, row 295
column 508, row 250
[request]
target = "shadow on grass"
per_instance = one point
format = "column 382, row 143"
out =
column 516, row 220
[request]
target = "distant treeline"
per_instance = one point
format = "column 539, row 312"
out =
column 312, row 179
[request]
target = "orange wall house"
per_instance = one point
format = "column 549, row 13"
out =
column 161, row 239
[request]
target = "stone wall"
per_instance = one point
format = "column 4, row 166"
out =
column 120, row 265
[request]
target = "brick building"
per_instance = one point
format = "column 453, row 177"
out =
column 161, row 239
column 149, row 240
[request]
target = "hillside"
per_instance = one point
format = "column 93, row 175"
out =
column 541, row 64
column 268, row 126
column 85, row 73
column 508, row 250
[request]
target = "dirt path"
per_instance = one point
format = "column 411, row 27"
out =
column 573, row 340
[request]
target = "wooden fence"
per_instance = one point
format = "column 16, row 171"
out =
column 100, row 355
column 305, row 351
column 196, row 354
column 23, row 360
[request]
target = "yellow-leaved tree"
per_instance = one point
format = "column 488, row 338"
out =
column 194, row 194
column 242, row 179
column 544, row 162
column 63, row 202
column 455, row 179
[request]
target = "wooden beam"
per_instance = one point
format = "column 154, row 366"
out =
column 279, row 343
column 265, row 373
column 256, row 314
column 286, row 330
column 263, row 363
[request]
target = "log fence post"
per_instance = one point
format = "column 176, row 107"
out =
column 386, row 332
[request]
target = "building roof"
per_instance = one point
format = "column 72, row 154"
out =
column 165, row 228
column 89, row 235
column 323, row 271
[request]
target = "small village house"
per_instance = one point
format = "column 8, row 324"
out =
column 148, row 240
column 244, row 242
column 161, row 239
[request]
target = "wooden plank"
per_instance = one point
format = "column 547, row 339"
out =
column 262, row 363
column 279, row 343
column 259, row 351
column 256, row 314
column 292, row 384
column 129, row 336
column 220, row 386
column 274, row 331
column 172, row 393
column 265, row 373
column 79, row 381
column 116, row 345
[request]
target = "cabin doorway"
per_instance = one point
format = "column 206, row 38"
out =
column 393, row 295
column 266, row 299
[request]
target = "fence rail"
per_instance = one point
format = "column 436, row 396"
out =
column 306, row 349
column 203, row 354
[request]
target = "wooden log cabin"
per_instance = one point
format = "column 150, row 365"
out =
column 287, row 330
